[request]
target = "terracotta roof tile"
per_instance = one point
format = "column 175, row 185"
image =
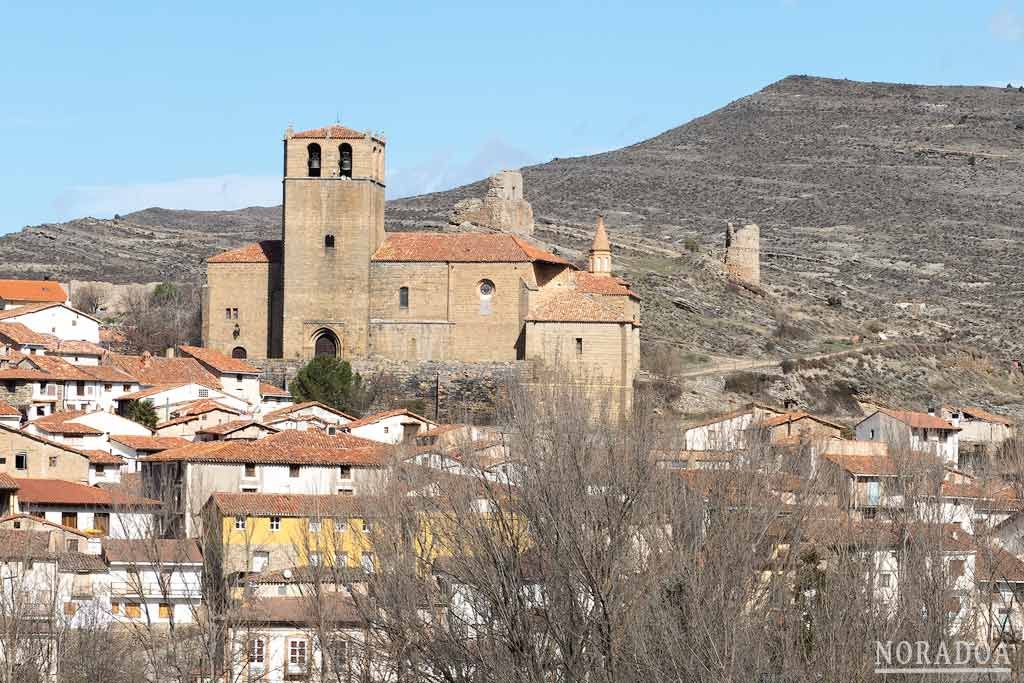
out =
column 152, row 551
column 995, row 564
column 588, row 283
column 600, row 242
column 150, row 444
column 58, row 368
column 881, row 465
column 33, row 290
column 23, row 310
column 24, row 544
column 281, row 413
column 287, row 447
column 205, row 405
column 66, row 347
column 919, row 420
column 985, row 415
column 285, row 504
column 19, row 333
column 370, row 419
column 267, row 389
column 569, row 306
column 220, row 362
column 463, row 247
column 80, row 563
column 154, row 370
column 63, row 423
column 298, row 610
column 7, row 482
column 796, row 416
column 24, row 374
column 225, row 428
column 334, row 132
column 8, row 409
column 267, row 251
column 59, row 492
column 98, row 457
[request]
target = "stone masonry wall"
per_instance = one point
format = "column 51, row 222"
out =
column 451, row 391
column 743, row 253
column 502, row 208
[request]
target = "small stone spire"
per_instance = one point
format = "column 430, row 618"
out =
column 601, row 251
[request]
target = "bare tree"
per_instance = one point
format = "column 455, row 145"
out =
column 88, row 298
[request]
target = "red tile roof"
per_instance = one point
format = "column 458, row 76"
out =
column 289, row 447
column 70, row 347
column 8, row 409
column 282, row 413
column 62, row 423
column 339, row 608
column 21, row 544
column 225, row 428
column 881, row 465
column 267, row 389
column 7, row 482
column 24, row 310
column 19, row 333
column 267, row 251
column 24, row 374
column 986, row 416
column 995, row 564
column 33, row 290
column 462, row 247
column 569, row 306
column 58, row 368
column 205, row 405
column 154, row 370
column 284, row 504
column 371, row 419
column 588, row 283
column 919, row 420
column 59, row 492
column 98, row 457
column 796, row 416
column 220, row 362
column 152, row 551
column 334, row 132
column 150, row 443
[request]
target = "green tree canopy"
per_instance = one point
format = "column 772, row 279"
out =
column 330, row 381
column 141, row 412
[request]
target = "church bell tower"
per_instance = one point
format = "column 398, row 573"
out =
column 333, row 199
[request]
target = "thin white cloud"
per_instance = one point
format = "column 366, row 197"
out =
column 199, row 194
column 445, row 170
column 1007, row 24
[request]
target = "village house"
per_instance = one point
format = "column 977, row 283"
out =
column 257, row 532
column 18, row 338
column 242, row 430
column 235, row 377
column 76, row 352
column 921, row 432
column 868, row 479
column 307, row 415
column 392, row 426
column 726, row 432
column 273, row 398
column 131, row 447
column 277, row 639
column 154, row 581
column 189, row 418
column 102, row 511
column 28, row 455
column 87, row 430
column 65, row 386
column 174, row 400
column 981, row 435
column 57, row 319
column 15, row 293
column 287, row 462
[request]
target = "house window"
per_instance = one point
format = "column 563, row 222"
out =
column 956, row 568
column 132, row 610
column 339, row 525
column 115, row 607
column 227, row 314
column 250, row 470
column 249, row 489
column 403, row 298
column 204, row 393
column 238, row 378
column 70, row 608
column 257, row 651
column 328, row 241
column 80, row 388
column 101, row 522
column 884, row 580
column 40, row 411
column 71, row 545
column 314, row 559
column 345, row 471
column 367, row 527
column 165, row 610
column 486, row 288
column 100, row 469
column 366, row 562
column 314, row 526
column 872, row 436
column 108, row 387
column 69, row 519
column 234, row 314
column 275, row 523
column 239, row 522
column 293, row 471
column 296, row 654
column 385, row 430
column 579, row 346
column 53, row 463
column 125, row 387
column 239, row 352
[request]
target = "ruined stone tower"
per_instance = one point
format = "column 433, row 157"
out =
column 333, row 223
column 600, row 262
column 502, row 208
column 743, row 253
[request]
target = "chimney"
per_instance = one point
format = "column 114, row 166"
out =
column 146, row 359
column 931, row 410
column 169, row 353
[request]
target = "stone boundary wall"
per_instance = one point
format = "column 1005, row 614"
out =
column 451, row 391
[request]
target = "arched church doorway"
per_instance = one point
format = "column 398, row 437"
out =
column 326, row 344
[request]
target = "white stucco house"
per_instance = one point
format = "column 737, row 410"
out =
column 923, row 432
column 57, row 319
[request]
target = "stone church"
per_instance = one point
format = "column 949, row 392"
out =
column 337, row 284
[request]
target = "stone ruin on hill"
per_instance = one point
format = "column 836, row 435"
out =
column 503, row 208
column 743, row 253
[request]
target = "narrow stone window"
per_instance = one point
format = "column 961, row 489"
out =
column 345, row 160
column 403, row 298
column 329, row 242
column 579, row 346
column 486, row 295
column 239, row 352
column 313, row 160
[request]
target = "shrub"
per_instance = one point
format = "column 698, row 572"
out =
column 750, row 383
column 330, row 381
column 141, row 412
column 692, row 245
column 788, row 365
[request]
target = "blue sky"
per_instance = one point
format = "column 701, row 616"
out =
column 109, row 107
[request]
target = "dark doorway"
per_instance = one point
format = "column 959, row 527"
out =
column 326, row 345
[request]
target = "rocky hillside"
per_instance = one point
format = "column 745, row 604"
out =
column 868, row 195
